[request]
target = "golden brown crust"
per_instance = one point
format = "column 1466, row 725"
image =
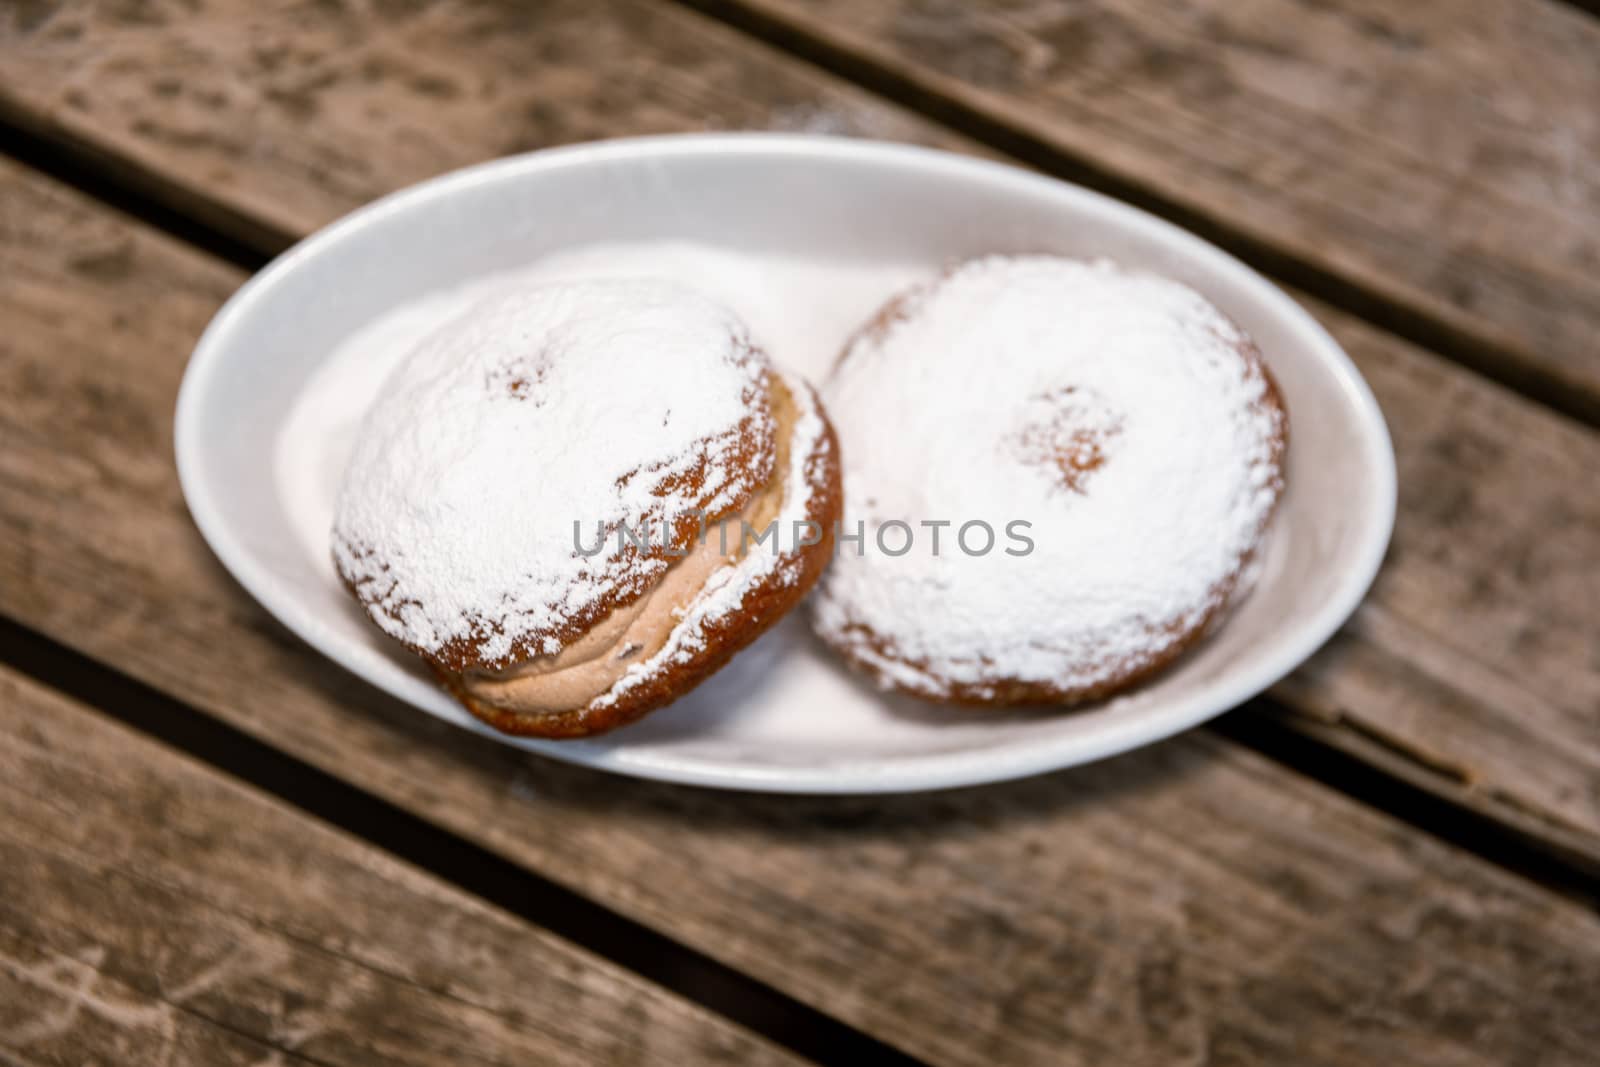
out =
column 764, row 604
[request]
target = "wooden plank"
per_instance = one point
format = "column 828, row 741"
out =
column 153, row 911
column 1475, row 668
column 301, row 111
column 1438, row 168
column 1445, row 166
column 1187, row 901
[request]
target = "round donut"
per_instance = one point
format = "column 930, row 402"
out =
column 559, row 497
column 1116, row 435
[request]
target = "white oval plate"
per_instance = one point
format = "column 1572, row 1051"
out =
column 783, row 717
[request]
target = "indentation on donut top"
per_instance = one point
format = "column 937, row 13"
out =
column 520, row 377
column 1071, row 432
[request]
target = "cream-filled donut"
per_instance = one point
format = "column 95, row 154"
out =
column 555, row 501
column 1096, row 454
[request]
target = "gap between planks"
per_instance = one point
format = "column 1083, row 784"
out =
column 1326, row 906
column 1376, row 307
column 653, row 955
column 154, row 911
column 247, row 241
column 469, row 867
column 1387, row 778
column 1588, row 7
column 142, row 194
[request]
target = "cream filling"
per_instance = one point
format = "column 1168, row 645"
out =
column 633, row 633
column 586, row 669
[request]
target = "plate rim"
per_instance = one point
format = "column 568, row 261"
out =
column 934, row 771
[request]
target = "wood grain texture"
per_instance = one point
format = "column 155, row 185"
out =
column 1447, row 161
column 1190, row 902
column 1475, row 667
column 270, row 119
column 153, row 911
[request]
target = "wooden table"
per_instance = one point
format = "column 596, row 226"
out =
column 218, row 848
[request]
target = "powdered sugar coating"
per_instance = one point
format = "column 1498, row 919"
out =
column 805, row 477
column 1120, row 414
column 598, row 402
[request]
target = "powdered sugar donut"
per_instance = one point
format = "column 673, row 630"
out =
column 549, row 501
column 1116, row 432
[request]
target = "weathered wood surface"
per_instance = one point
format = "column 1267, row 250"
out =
column 1449, row 164
column 1474, row 668
column 270, row 119
column 1444, row 158
column 1188, row 902
column 153, row 911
